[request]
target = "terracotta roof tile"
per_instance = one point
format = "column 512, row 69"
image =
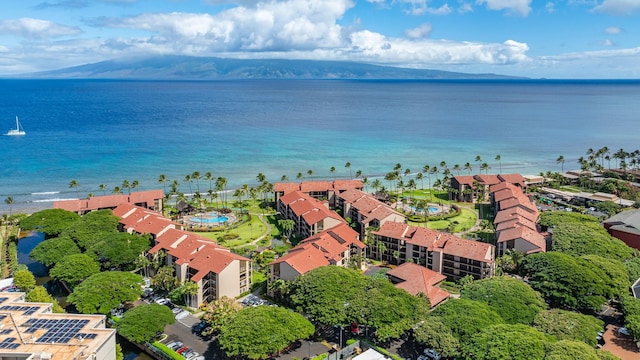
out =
column 487, row 179
column 464, row 179
column 304, row 258
column 507, row 214
column 524, row 233
column 512, row 178
column 417, row 279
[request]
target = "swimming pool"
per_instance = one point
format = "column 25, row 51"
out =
column 431, row 209
column 209, row 218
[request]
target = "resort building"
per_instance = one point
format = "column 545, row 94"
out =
column 626, row 227
column 32, row 331
column 216, row 270
column 417, row 279
column 444, row 253
column 476, row 188
column 515, row 221
column 310, row 215
column 339, row 246
column 365, row 210
column 321, row 190
column 151, row 200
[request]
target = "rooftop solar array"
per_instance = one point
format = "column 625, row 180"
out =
column 9, row 343
column 5, row 331
column 58, row 330
column 28, row 310
column 3, row 299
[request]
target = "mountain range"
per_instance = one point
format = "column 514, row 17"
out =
column 169, row 67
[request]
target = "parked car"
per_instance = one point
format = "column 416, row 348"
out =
column 431, row 354
column 624, row 331
column 182, row 349
column 175, row 345
column 163, row 301
column 199, row 327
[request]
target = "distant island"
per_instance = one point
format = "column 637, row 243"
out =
column 170, row 67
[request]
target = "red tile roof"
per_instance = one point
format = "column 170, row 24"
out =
column 109, row 201
column 516, row 220
column 304, row 258
column 286, row 187
column 309, row 186
column 519, row 201
column 524, row 233
column 465, row 179
column 342, row 185
column 417, row 279
column 487, row 179
column 322, row 185
column 438, row 241
column 508, row 214
column 512, row 178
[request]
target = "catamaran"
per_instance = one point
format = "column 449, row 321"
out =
column 18, row 131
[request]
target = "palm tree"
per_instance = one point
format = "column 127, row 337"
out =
column 560, row 160
column 333, row 171
column 221, row 183
column 456, row 168
column 162, row 179
column 187, row 179
column 126, row 185
column 358, row 173
column 420, row 177
column 467, row 166
column 117, row 190
column 196, row 176
column 348, row 166
column 208, row 176
column 284, row 178
column 376, row 184
column 478, row 159
column 499, row 160
column 299, row 176
column 103, row 188
column 73, row 184
column 485, row 167
column 310, row 173
column 135, row 184
column 10, row 201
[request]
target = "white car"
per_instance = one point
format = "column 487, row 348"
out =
column 624, row 331
column 163, row 301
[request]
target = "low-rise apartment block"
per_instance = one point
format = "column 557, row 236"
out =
column 365, row 210
column 150, row 200
column 397, row 243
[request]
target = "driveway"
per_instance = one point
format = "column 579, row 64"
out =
column 619, row 345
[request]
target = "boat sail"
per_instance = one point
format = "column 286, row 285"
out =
column 18, row 131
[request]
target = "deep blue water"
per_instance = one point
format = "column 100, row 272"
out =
column 102, row 132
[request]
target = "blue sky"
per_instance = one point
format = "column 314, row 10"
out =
column 554, row 39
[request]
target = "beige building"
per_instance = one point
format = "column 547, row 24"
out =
column 30, row 331
column 310, row 215
column 397, row 243
column 365, row 210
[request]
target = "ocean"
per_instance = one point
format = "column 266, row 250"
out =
column 107, row 131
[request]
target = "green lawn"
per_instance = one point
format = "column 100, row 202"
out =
column 464, row 221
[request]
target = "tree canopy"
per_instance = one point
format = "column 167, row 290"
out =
column 515, row 301
column 577, row 234
column 92, row 227
column 466, row 317
column 613, row 273
column 219, row 312
column 51, row 251
column 72, row 269
column 119, row 250
column 508, row 342
column 566, row 281
column 257, row 332
column 631, row 311
column 104, row 291
column 50, row 221
column 335, row 295
column 434, row 334
column 24, row 280
column 143, row 322
column 568, row 325
column 41, row 295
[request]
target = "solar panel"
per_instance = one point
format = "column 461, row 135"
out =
column 5, row 331
column 59, row 330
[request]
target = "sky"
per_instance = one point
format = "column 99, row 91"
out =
column 533, row 38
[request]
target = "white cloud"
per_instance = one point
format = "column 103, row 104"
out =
column 421, row 31
column 465, row 7
column 550, row 7
column 613, row 30
column 608, row 42
column 516, row 7
column 36, row 29
column 618, row 7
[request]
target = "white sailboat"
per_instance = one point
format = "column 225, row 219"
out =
column 18, row 131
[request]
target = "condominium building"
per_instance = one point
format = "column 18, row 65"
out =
column 309, row 215
column 365, row 210
column 150, row 200
column 397, row 243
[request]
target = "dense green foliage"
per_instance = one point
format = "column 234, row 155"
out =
column 119, row 250
column 104, row 291
column 515, row 301
column 50, row 221
column 143, row 322
column 631, row 311
column 51, row 251
column 165, row 279
column 570, row 350
column 566, row 281
column 72, row 269
column 633, row 268
column 434, row 334
column 336, row 295
column 325, row 292
column 466, row 317
column 257, row 332
column 568, row 325
column 92, row 227
column 39, row 294
column 24, row 280
column 613, row 273
column 508, row 342
column 577, row 234
column 219, row 312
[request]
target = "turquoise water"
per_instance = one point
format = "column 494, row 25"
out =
column 210, row 218
column 103, row 132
